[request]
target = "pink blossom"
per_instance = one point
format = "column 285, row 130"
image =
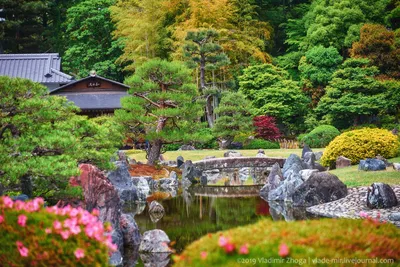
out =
column 223, row 241
column 65, row 234
column 48, row 231
column 73, row 213
column 19, row 205
column 22, row 250
column 8, row 202
column 79, row 253
column 75, row 229
column 363, row 214
column 203, row 255
column 22, row 220
column 1, row 218
column 244, row 249
column 229, row 248
column 283, row 250
column 57, row 225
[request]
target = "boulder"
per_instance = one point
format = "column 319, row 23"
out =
column 275, row 177
column 191, row 173
column 321, row 187
column 154, row 241
column 372, row 165
column 387, row 163
column 167, row 183
column 293, row 162
column 286, row 189
column 186, row 147
column 318, row 155
column 396, row 166
column 155, row 259
column 232, row 154
column 381, row 196
column 309, row 160
column 342, row 162
column 142, row 186
column 116, row 259
column 319, row 167
column 156, row 211
column 179, row 161
column 306, row 173
column 394, row 216
column 130, row 230
column 306, row 149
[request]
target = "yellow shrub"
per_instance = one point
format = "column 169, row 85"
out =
column 361, row 144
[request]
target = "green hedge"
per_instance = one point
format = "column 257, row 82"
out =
column 321, row 136
column 261, row 144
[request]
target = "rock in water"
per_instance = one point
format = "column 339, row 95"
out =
column 285, row 191
column 294, row 163
column 381, row 196
column 130, row 230
column 306, row 149
column 342, row 162
column 156, row 211
column 155, row 241
column 173, row 175
column 274, row 179
column 321, row 187
column 232, row 154
column 179, row 161
column 191, row 172
column 372, row 165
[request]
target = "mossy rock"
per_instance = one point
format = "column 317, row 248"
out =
column 325, row 238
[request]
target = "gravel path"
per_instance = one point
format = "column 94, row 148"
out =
column 353, row 204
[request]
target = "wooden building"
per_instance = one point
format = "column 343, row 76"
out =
column 94, row 95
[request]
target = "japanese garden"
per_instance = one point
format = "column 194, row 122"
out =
column 199, row 132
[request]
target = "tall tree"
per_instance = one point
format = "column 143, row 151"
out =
column 234, row 118
column 42, row 139
column 354, row 96
column 90, row 42
column 204, row 52
column 163, row 103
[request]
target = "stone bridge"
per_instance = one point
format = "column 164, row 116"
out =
column 228, row 191
column 238, row 168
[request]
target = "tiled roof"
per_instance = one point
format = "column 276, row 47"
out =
column 42, row 68
column 96, row 101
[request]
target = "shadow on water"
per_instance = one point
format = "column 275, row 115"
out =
column 200, row 210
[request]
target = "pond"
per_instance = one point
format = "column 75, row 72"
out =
column 200, row 210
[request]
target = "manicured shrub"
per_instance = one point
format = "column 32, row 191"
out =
column 321, row 136
column 360, row 144
column 266, row 240
column 266, row 127
column 261, row 144
column 31, row 235
column 171, row 147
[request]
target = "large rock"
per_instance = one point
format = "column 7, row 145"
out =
column 396, row 166
column 142, row 186
column 274, row 179
column 309, row 160
column 156, row 211
column 294, row 163
column 167, row 183
column 190, row 172
column 173, row 175
column 381, row 196
column 342, row 162
column 306, row 173
column 306, row 149
column 286, row 189
column 232, row 154
column 387, row 163
column 318, row 155
column 179, row 161
column 321, row 187
column 372, row 165
column 154, row 241
column 130, row 230
column 155, row 259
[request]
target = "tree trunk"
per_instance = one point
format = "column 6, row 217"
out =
column 209, row 111
column 155, row 150
column 202, row 73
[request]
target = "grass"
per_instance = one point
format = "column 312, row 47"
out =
column 350, row 176
column 305, row 240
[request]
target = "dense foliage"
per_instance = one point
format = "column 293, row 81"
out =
column 306, row 239
column 32, row 235
column 361, row 144
column 43, row 140
column 321, row 136
column 261, row 144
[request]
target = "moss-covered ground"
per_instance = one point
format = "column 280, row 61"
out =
column 325, row 239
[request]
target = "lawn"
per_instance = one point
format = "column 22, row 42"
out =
column 350, row 176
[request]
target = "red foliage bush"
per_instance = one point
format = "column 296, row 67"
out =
column 266, row 127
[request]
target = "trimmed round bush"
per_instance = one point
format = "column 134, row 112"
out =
column 361, row 144
column 321, row 136
column 31, row 235
column 261, row 144
column 326, row 238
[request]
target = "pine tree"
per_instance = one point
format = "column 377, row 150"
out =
column 234, row 118
column 162, row 104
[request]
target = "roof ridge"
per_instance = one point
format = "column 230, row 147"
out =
column 61, row 73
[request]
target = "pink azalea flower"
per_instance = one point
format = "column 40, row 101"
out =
column 48, row 231
column 73, row 213
column 229, row 248
column 8, row 202
column 19, row 205
column 57, row 225
column 363, row 214
column 244, row 250
column 22, row 220
column 203, row 255
column 283, row 250
column 75, row 229
column 1, row 218
column 222, row 241
column 79, row 253
column 22, row 250
column 65, row 234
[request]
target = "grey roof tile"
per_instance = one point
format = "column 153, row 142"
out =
column 42, row 68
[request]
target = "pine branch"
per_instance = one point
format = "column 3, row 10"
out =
column 147, row 99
